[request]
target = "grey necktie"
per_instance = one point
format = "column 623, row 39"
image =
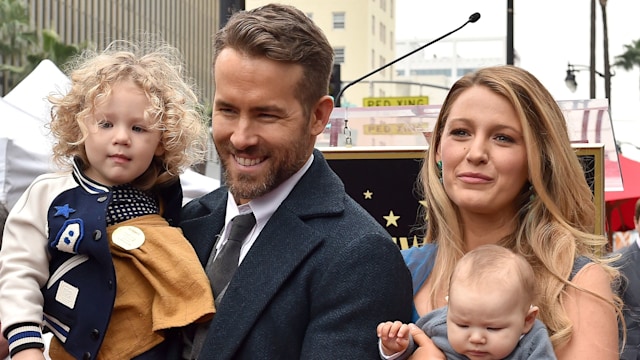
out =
column 221, row 270
column 226, row 262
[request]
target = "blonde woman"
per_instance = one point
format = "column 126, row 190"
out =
column 501, row 170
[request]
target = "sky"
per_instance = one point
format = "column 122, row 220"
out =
column 547, row 35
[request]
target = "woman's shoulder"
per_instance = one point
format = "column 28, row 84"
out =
column 578, row 264
column 590, row 275
column 419, row 261
column 418, row 254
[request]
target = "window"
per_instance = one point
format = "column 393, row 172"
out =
column 373, row 24
column 425, row 72
column 383, row 33
column 391, row 8
column 373, row 59
column 391, row 39
column 383, row 62
column 338, row 20
column 463, row 72
column 383, row 5
column 338, row 55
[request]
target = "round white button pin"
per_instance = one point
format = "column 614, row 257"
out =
column 128, row 237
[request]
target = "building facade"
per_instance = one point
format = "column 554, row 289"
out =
column 188, row 25
column 431, row 71
column 362, row 35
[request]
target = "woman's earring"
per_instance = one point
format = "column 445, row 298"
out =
column 439, row 164
column 532, row 193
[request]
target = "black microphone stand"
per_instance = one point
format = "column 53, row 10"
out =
column 473, row 18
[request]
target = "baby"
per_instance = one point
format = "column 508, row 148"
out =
column 489, row 313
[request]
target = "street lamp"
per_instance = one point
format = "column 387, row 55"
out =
column 570, row 80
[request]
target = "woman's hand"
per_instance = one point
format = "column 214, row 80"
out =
column 426, row 350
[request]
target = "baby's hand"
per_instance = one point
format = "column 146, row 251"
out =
column 394, row 337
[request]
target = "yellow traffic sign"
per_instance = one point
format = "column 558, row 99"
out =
column 395, row 128
column 395, row 101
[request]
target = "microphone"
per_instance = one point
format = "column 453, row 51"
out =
column 473, row 18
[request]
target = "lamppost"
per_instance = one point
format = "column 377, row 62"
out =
column 570, row 79
column 510, row 51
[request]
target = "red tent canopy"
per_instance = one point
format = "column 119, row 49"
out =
column 621, row 204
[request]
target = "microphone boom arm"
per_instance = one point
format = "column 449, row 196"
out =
column 473, row 18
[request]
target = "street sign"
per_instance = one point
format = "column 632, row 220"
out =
column 395, row 101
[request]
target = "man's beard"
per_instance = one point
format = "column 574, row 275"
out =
column 283, row 165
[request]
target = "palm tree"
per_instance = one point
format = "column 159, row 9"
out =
column 630, row 57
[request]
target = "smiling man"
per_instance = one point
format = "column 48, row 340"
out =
column 315, row 273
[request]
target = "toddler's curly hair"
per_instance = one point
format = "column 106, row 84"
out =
column 157, row 68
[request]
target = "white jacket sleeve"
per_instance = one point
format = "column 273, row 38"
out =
column 24, row 258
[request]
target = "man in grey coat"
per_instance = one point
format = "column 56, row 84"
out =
column 316, row 272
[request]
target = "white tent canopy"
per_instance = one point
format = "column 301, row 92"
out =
column 30, row 95
column 25, row 144
column 25, row 141
column 25, row 152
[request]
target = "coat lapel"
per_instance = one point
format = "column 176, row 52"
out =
column 287, row 238
column 202, row 229
column 259, row 279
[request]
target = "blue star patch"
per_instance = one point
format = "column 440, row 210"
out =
column 64, row 210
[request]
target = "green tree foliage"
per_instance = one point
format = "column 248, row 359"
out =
column 21, row 49
column 17, row 39
column 630, row 57
column 53, row 49
column 16, row 36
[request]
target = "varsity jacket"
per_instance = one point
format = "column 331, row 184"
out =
column 55, row 240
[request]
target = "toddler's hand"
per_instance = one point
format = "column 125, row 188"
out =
column 29, row 354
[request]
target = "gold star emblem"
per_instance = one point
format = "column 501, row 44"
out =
column 367, row 194
column 391, row 219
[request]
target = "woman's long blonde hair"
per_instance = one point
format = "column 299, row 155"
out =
column 556, row 220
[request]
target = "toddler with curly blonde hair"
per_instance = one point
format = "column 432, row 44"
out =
column 92, row 253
